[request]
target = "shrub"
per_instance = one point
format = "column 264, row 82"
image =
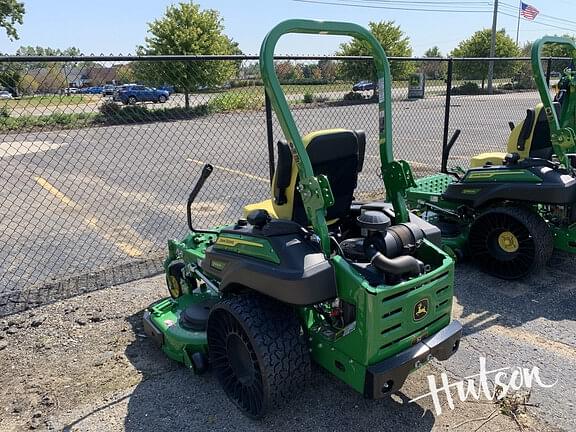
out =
column 353, row 96
column 110, row 109
column 233, row 101
column 308, row 97
column 467, row 88
column 4, row 112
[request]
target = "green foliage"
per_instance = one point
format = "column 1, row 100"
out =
column 41, row 51
column 433, row 69
column 233, row 101
column 4, row 112
column 109, row 109
column 308, row 97
column 186, row 30
column 469, row 88
column 395, row 44
column 11, row 13
column 331, row 71
column 10, row 76
column 55, row 120
column 478, row 45
column 28, row 85
column 550, row 50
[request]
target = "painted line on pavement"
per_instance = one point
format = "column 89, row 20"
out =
column 123, row 237
column 233, row 171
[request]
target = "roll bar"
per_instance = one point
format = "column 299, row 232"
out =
column 562, row 133
column 315, row 191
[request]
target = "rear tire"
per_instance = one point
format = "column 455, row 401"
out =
column 257, row 352
column 132, row 100
column 161, row 98
column 510, row 242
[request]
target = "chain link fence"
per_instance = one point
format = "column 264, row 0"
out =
column 98, row 155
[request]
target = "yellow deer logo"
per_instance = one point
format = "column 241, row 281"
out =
column 421, row 309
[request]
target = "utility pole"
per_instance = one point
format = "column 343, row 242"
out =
column 518, row 24
column 492, row 47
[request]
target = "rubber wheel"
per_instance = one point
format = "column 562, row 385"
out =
column 161, row 99
column 132, row 100
column 510, row 242
column 257, row 352
column 175, row 278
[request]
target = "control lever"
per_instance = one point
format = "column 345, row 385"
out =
column 206, row 171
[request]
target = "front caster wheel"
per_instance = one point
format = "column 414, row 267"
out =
column 510, row 242
column 257, row 352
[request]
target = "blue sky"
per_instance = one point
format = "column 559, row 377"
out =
column 118, row 26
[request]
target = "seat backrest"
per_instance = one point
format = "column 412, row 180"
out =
column 531, row 137
column 336, row 153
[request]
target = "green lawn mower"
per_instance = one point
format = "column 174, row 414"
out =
column 510, row 210
column 362, row 289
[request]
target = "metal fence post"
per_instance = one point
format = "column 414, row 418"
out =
column 269, row 134
column 548, row 70
column 444, row 167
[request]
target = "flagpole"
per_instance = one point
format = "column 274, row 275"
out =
column 518, row 25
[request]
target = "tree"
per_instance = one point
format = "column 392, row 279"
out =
column 186, row 30
column 28, row 85
column 41, row 51
column 50, row 79
column 10, row 75
column 433, row 69
column 11, row 13
column 395, row 44
column 329, row 69
column 553, row 50
column 125, row 74
column 478, row 45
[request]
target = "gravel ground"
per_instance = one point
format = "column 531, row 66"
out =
column 84, row 364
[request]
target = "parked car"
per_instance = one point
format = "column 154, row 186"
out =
column 131, row 94
column 95, row 90
column 168, row 88
column 108, row 90
column 5, row 94
column 363, row 86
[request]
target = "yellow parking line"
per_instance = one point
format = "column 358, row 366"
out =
column 46, row 185
column 91, row 221
column 233, row 171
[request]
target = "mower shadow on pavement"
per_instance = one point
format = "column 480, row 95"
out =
column 171, row 397
column 488, row 301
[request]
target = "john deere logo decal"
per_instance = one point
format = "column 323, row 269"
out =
column 421, row 309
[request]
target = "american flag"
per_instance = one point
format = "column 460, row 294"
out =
column 527, row 11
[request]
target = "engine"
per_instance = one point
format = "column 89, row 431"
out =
column 387, row 248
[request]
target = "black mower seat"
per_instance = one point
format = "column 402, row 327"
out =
column 529, row 139
column 336, row 153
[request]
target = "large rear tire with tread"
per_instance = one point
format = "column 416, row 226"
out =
column 258, row 352
column 510, row 242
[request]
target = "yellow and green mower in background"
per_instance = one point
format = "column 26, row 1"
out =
column 510, row 210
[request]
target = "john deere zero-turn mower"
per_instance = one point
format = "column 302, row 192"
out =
column 510, row 210
column 362, row 289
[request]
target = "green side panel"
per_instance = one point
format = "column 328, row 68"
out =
column 247, row 245
column 565, row 238
column 385, row 323
column 488, row 175
column 179, row 344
